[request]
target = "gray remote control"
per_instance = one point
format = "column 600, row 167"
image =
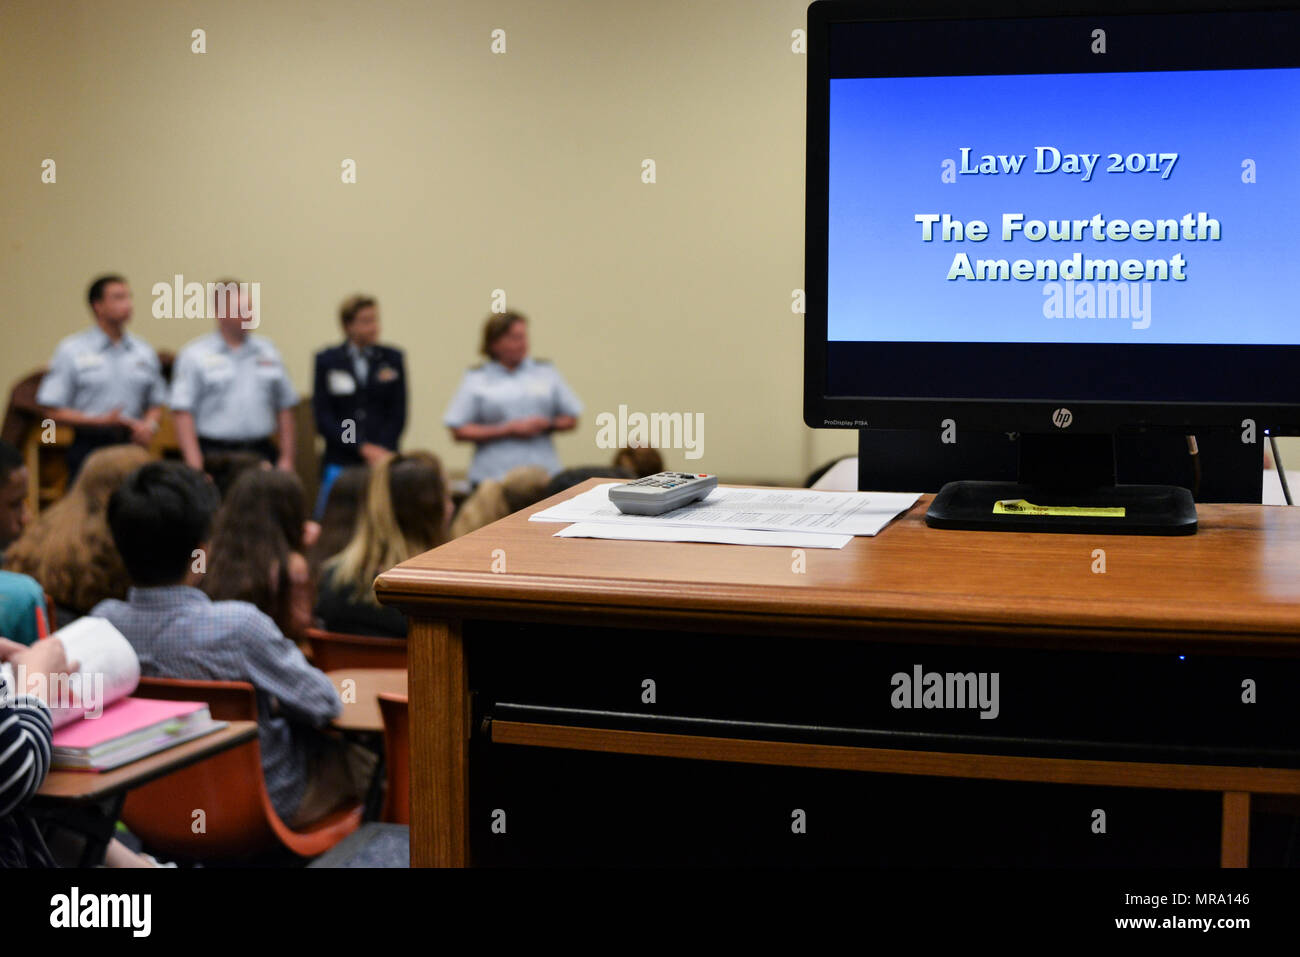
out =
column 662, row 492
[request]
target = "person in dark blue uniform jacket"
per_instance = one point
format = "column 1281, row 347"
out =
column 359, row 398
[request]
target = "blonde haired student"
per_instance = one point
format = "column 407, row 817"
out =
column 405, row 513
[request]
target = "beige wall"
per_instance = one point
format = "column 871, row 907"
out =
column 475, row 172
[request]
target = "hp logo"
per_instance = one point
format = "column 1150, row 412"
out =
column 1062, row 418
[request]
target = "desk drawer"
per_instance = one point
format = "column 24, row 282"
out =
column 942, row 697
column 534, row 806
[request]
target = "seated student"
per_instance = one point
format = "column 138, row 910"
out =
column 159, row 518
column 493, row 499
column 68, row 549
column 26, row 742
column 225, row 467
column 25, row 748
column 258, row 541
column 23, row 616
column 571, row 477
column 342, row 507
column 406, row 512
column 639, row 460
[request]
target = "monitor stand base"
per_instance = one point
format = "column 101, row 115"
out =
column 1067, row 484
column 1147, row 509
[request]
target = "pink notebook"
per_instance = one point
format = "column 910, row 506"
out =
column 121, row 718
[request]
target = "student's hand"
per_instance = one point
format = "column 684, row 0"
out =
column 372, row 453
column 45, row 657
column 310, row 533
column 285, row 463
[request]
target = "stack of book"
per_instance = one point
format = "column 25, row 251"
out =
column 129, row 729
column 97, row 726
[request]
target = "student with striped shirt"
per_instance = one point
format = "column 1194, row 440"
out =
column 25, row 733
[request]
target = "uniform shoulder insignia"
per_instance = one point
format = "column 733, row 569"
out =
column 543, row 362
column 475, row 368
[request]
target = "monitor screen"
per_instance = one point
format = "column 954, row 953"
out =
column 1011, row 214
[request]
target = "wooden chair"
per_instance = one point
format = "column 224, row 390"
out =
column 397, row 757
column 47, row 477
column 331, row 651
column 239, row 820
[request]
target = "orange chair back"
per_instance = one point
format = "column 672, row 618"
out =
column 51, row 622
column 237, row 820
column 331, row 650
column 397, row 757
column 226, row 700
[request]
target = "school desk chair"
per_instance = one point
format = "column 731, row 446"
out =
column 331, row 650
column 397, row 757
column 237, row 819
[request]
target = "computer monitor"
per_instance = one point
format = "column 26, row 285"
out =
column 1059, row 223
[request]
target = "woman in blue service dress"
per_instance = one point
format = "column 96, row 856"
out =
column 509, row 405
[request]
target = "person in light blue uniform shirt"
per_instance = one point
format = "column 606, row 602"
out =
column 509, row 406
column 103, row 381
column 231, row 392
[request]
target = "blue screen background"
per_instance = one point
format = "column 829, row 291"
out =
column 890, row 136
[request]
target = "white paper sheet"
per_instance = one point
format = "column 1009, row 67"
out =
column 757, row 509
column 720, row 536
column 107, row 669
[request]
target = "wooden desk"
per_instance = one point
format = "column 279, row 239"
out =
column 1232, row 589
column 86, row 787
column 363, row 713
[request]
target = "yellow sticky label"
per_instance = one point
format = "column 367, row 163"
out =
column 1018, row 506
